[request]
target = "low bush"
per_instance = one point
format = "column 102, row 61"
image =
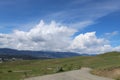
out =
column 10, row 71
column 59, row 69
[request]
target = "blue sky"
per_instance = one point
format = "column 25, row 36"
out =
column 99, row 16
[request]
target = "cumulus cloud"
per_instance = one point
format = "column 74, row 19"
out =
column 43, row 36
column 55, row 37
column 89, row 43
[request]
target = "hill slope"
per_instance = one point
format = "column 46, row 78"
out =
column 20, row 69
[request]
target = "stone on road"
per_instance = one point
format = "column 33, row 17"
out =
column 83, row 74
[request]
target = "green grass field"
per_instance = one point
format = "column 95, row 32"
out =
column 19, row 70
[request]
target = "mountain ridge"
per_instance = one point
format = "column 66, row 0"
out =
column 35, row 54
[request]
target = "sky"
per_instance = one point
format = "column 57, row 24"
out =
column 82, row 26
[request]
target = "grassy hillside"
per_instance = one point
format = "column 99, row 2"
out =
column 20, row 69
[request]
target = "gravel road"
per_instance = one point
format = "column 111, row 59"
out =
column 82, row 74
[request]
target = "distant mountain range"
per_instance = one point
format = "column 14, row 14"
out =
column 26, row 54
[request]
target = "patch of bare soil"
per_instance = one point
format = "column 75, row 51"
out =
column 111, row 73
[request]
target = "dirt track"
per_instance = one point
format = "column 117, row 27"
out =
column 82, row 74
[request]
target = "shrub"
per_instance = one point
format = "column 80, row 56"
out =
column 9, row 70
column 59, row 69
column 1, row 72
column 117, row 79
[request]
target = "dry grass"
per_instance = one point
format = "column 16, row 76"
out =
column 108, row 72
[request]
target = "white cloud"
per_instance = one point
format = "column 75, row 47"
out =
column 89, row 43
column 55, row 37
column 43, row 36
column 111, row 34
column 78, row 14
column 82, row 25
column 116, row 48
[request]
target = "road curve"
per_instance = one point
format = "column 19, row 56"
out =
column 82, row 74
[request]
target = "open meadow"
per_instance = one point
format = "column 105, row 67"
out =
column 107, row 65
